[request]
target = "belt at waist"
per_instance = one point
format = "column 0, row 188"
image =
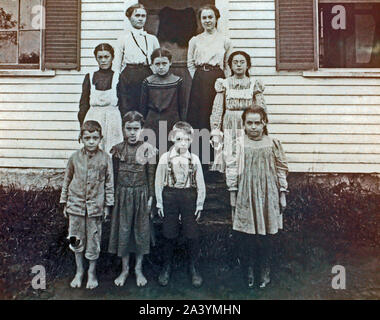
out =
column 208, row 67
column 136, row 65
column 167, row 188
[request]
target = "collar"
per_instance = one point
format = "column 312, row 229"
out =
column 173, row 153
column 138, row 32
column 84, row 152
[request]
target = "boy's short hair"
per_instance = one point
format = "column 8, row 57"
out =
column 132, row 116
column 161, row 52
column 181, row 126
column 91, row 126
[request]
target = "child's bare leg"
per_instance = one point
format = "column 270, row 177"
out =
column 92, row 281
column 120, row 280
column 140, row 278
column 77, row 281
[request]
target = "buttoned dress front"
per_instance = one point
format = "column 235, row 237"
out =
column 233, row 96
column 134, row 178
column 258, row 174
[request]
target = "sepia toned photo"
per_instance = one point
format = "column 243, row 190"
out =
column 189, row 150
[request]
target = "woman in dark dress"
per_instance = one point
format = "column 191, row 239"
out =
column 132, row 59
column 206, row 61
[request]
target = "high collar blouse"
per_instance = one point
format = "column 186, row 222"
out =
column 128, row 52
column 205, row 48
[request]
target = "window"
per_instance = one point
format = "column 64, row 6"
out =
column 39, row 34
column 312, row 34
column 20, row 34
column 349, row 35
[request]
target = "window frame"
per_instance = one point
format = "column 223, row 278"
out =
column 317, row 71
column 19, row 66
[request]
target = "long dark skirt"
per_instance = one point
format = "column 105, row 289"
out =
column 129, row 87
column 202, row 97
column 130, row 228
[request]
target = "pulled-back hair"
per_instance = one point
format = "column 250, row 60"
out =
column 181, row 126
column 247, row 58
column 104, row 47
column 133, row 116
column 91, row 126
column 256, row 110
column 161, row 52
column 131, row 9
column 209, row 7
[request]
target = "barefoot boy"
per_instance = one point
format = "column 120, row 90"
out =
column 180, row 190
column 87, row 194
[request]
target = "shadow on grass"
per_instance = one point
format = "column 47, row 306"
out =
column 319, row 222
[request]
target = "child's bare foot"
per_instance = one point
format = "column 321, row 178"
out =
column 140, row 279
column 92, row 281
column 77, row 281
column 120, row 280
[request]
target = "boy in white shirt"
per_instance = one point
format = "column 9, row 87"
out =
column 180, row 191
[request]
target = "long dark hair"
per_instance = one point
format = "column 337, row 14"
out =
column 257, row 110
column 247, row 58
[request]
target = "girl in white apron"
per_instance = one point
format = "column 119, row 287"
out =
column 99, row 98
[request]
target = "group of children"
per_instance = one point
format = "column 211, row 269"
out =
column 129, row 183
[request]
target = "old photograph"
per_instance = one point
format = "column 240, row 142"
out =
column 190, row 150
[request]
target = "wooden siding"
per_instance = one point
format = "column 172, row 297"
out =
column 325, row 124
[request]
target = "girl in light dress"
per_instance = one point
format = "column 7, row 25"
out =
column 256, row 179
column 234, row 95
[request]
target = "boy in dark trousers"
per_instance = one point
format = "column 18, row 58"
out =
column 180, row 191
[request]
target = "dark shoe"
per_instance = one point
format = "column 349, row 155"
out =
column 196, row 278
column 163, row 278
column 251, row 278
column 264, row 277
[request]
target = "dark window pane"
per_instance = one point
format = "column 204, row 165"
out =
column 29, row 47
column 349, row 35
column 8, row 47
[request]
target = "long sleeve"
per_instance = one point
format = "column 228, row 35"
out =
column 151, row 170
column 218, row 106
column 84, row 104
column 119, row 55
column 144, row 98
column 122, row 95
column 182, row 111
column 161, row 173
column 191, row 58
column 115, row 166
column 281, row 165
column 109, row 184
column 258, row 95
column 69, row 173
column 232, row 172
column 201, row 187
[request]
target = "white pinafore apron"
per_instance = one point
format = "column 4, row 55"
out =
column 104, row 109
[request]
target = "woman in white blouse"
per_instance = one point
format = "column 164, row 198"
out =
column 132, row 59
column 207, row 56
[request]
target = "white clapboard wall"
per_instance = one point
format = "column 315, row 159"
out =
column 325, row 124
